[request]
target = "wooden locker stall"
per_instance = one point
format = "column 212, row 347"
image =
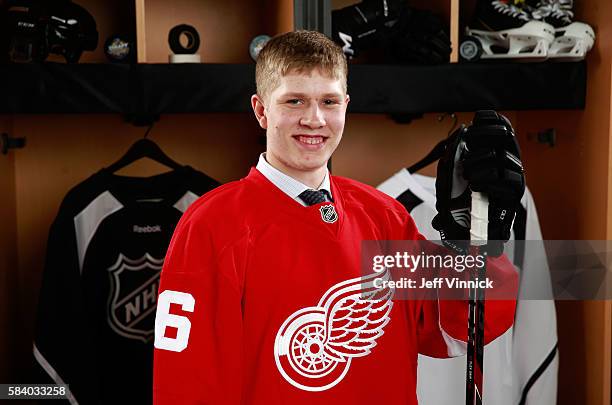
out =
column 64, row 149
column 8, row 260
column 572, row 188
column 226, row 28
column 571, row 184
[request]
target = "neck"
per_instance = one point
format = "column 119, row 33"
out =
column 311, row 178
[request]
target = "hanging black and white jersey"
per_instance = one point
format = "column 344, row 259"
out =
column 98, row 297
column 520, row 366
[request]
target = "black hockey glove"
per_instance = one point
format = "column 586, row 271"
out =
column 406, row 35
column 483, row 157
column 359, row 27
column 417, row 37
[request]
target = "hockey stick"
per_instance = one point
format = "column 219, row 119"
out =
column 474, row 382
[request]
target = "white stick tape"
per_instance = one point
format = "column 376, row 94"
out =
column 185, row 58
column 480, row 218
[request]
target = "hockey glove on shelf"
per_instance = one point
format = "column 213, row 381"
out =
column 484, row 157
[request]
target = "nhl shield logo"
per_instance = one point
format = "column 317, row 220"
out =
column 328, row 214
column 133, row 296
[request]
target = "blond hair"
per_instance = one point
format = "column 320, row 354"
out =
column 300, row 51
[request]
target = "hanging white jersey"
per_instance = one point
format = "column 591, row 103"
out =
column 97, row 303
column 520, row 367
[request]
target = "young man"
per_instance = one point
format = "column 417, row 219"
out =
column 261, row 298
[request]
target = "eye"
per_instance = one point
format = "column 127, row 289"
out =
column 294, row 101
column 330, row 101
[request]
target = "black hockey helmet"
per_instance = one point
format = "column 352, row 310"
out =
column 24, row 29
column 70, row 30
column 36, row 28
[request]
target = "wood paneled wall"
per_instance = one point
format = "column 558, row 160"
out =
column 574, row 195
column 8, row 259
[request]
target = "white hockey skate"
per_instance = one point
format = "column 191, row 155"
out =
column 529, row 43
column 572, row 42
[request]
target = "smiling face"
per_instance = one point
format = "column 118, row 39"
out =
column 304, row 120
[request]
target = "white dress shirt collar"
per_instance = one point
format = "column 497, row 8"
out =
column 290, row 186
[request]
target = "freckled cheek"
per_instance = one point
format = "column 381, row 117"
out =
column 285, row 126
column 336, row 123
column 292, row 117
column 282, row 121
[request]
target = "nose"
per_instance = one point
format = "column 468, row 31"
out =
column 313, row 117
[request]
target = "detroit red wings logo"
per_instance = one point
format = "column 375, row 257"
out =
column 315, row 346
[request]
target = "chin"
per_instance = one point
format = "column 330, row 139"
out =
column 311, row 165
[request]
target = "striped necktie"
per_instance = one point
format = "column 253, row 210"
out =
column 312, row 197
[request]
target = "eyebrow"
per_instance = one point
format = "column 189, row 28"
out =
column 303, row 95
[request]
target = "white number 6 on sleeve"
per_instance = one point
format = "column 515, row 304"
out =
column 163, row 319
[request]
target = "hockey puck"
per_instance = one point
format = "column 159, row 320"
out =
column 256, row 44
column 118, row 49
column 193, row 39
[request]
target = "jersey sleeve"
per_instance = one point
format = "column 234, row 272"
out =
column 61, row 334
column 198, row 325
column 445, row 320
column 442, row 323
column 535, row 356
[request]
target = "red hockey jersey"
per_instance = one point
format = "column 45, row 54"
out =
column 260, row 303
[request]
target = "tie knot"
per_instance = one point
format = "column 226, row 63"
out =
column 312, row 197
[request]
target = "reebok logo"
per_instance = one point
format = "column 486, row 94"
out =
column 147, row 228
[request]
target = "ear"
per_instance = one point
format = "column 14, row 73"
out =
column 348, row 98
column 259, row 110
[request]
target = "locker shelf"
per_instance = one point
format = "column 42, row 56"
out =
column 146, row 89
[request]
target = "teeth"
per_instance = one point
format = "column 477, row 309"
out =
column 311, row 140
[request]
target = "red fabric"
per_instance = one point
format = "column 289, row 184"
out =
column 251, row 257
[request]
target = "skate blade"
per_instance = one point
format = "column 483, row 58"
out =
column 533, row 29
column 572, row 43
column 529, row 43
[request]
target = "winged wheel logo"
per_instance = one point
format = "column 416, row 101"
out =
column 314, row 347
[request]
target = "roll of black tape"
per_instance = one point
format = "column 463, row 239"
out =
column 193, row 39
